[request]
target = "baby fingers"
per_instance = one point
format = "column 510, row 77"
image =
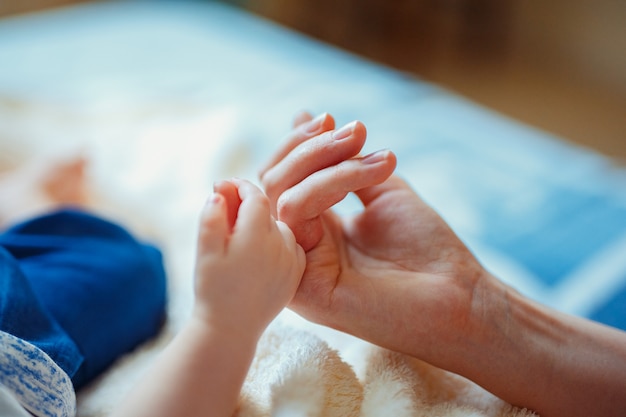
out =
column 254, row 211
column 214, row 229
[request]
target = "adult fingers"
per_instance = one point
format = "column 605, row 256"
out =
column 321, row 152
column 303, row 132
column 301, row 205
column 301, row 118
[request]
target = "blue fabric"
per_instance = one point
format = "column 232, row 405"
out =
column 80, row 288
column 613, row 312
column 23, row 316
column 32, row 378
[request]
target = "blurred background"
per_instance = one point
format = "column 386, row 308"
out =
column 559, row 65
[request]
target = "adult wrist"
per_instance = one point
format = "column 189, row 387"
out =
column 469, row 340
column 510, row 340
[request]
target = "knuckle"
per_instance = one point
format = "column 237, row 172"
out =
column 263, row 202
column 270, row 184
column 285, row 208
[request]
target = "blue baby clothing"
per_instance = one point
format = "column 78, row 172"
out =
column 81, row 289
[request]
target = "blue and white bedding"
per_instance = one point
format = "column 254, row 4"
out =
column 166, row 97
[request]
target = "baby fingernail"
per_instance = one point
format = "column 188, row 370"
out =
column 345, row 132
column 214, row 199
column 375, row 157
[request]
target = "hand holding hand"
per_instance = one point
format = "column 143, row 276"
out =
column 394, row 274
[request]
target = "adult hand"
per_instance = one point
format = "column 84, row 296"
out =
column 394, row 274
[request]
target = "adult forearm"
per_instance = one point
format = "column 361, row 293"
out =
column 550, row 362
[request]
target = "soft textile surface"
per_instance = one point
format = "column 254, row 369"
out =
column 91, row 259
column 165, row 98
column 9, row 406
column 31, row 377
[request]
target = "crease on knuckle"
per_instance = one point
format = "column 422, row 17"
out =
column 285, row 208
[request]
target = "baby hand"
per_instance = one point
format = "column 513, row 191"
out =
column 248, row 265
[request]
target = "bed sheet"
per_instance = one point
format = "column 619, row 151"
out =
column 166, row 97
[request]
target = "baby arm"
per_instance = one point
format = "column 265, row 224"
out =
column 248, row 268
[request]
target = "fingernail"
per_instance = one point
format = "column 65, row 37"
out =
column 345, row 132
column 213, row 199
column 217, row 184
column 375, row 157
column 315, row 124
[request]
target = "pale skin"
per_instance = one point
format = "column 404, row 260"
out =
column 395, row 274
column 248, row 268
